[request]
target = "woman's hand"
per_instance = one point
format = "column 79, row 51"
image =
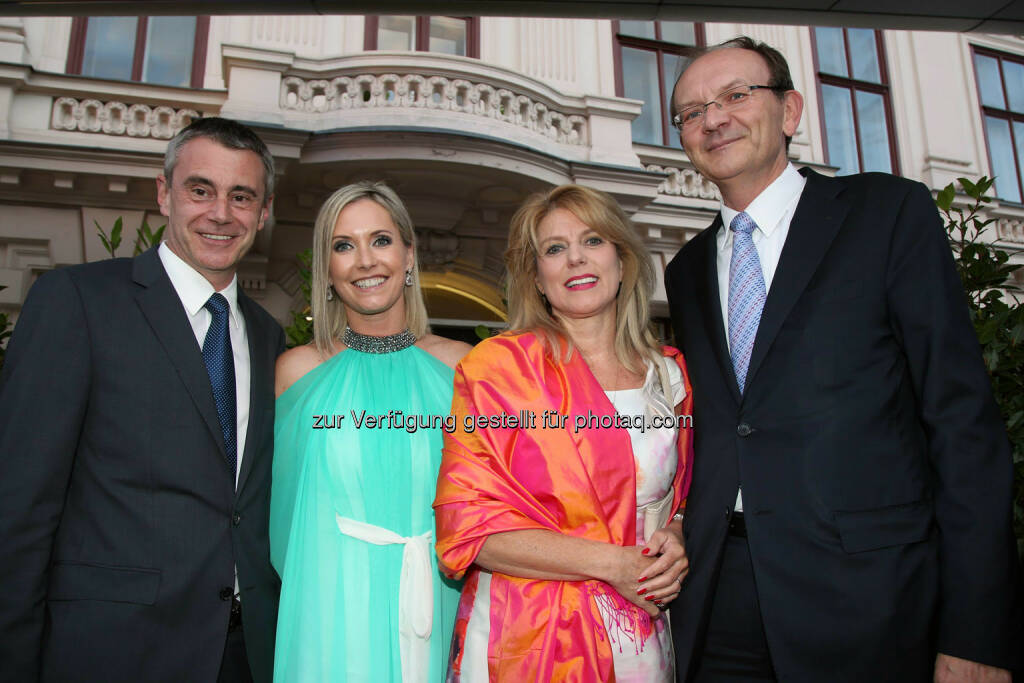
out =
column 631, row 564
column 664, row 577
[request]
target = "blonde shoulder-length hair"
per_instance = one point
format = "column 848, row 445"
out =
column 329, row 317
column 528, row 311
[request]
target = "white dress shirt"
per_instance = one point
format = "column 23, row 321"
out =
column 772, row 211
column 194, row 290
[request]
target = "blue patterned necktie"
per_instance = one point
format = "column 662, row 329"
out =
column 220, row 365
column 746, row 295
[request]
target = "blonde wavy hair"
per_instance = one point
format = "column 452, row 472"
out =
column 528, row 311
column 329, row 317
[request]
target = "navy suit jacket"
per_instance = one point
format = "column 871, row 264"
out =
column 120, row 525
column 875, row 468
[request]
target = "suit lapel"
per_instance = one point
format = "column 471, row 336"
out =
column 817, row 220
column 260, row 384
column 163, row 310
column 709, row 296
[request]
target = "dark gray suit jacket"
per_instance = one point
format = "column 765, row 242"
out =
column 120, row 526
column 875, row 468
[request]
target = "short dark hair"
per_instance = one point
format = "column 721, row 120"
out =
column 230, row 134
column 779, row 78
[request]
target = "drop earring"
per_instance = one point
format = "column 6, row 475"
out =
column 330, row 293
column 408, row 278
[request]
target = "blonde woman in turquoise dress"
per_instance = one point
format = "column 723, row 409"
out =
column 356, row 454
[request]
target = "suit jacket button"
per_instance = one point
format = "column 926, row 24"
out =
column 236, row 519
column 226, row 592
column 743, row 429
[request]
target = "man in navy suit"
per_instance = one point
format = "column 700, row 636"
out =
column 136, row 434
column 850, row 512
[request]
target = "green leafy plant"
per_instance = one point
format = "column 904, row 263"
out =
column 301, row 330
column 996, row 312
column 145, row 236
column 112, row 241
column 484, row 332
column 5, row 333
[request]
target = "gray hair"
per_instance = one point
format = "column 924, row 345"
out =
column 230, row 134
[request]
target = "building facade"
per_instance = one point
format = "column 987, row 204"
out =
column 464, row 117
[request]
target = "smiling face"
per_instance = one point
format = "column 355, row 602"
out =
column 367, row 268
column 577, row 270
column 214, row 205
column 743, row 150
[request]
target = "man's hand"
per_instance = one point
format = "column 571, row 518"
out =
column 949, row 669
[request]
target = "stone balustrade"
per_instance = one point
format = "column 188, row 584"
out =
column 440, row 93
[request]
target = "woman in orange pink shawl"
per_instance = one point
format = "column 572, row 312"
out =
column 559, row 483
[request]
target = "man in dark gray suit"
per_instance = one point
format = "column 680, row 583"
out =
column 136, row 434
column 849, row 516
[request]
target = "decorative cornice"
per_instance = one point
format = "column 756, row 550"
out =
column 119, row 118
column 684, row 182
column 415, row 91
column 1010, row 230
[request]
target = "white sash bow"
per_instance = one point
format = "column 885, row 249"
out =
column 415, row 593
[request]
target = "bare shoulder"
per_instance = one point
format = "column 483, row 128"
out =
column 293, row 364
column 448, row 351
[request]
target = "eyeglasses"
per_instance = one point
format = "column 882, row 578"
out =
column 731, row 99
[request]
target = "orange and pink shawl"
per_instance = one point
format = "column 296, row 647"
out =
column 503, row 479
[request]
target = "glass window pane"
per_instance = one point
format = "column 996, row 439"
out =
column 989, row 83
column 640, row 29
column 672, row 66
column 640, row 82
column 1019, row 140
column 864, row 54
column 839, row 133
column 679, row 32
column 1018, row 136
column 1014, row 75
column 1003, row 167
column 874, row 133
column 110, row 47
column 831, row 51
column 448, row 35
column 396, row 33
column 169, row 48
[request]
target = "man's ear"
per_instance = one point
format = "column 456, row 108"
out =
column 163, row 192
column 793, row 109
column 265, row 212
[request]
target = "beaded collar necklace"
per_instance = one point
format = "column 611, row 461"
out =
column 369, row 344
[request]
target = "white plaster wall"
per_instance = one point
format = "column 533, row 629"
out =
column 310, row 37
column 34, row 239
column 47, row 41
column 934, row 95
column 571, row 55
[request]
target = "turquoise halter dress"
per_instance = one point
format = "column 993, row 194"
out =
column 357, row 446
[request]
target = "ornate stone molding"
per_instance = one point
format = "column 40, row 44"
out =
column 684, row 182
column 415, row 91
column 1010, row 230
column 119, row 118
column 436, row 248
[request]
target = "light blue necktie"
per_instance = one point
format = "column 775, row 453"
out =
column 746, row 296
column 220, row 366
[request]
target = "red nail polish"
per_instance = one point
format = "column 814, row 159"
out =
column 641, row 591
column 645, row 551
column 649, row 597
column 641, row 579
